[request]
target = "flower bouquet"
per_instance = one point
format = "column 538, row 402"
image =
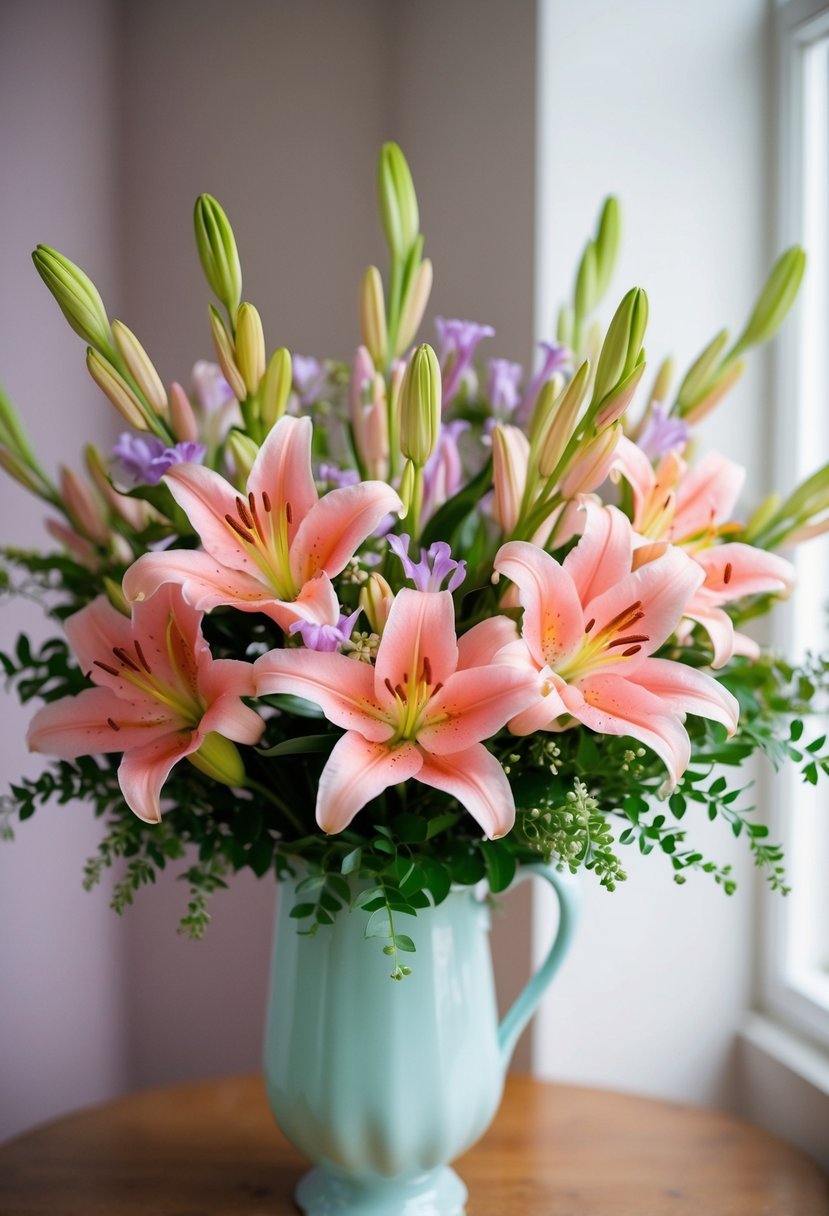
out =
column 398, row 628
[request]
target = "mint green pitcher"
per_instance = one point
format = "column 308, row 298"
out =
column 382, row 1084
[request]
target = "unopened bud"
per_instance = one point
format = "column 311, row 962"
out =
column 589, row 468
column 376, row 599
column 250, row 347
column 406, row 490
column 277, row 388
column 699, row 375
column 77, row 297
column 718, row 388
column 662, row 384
column 11, row 463
column 219, row 759
column 132, row 510
column 617, row 401
column 607, row 244
column 562, row 420
column 217, row 251
column 140, row 368
column 116, row 596
column 225, row 355
column 775, row 300
column 398, row 201
column 510, row 457
column 77, row 545
column 182, row 418
column 116, row 388
column 244, row 451
column 420, row 406
column 373, row 315
column 548, row 394
column 415, row 306
column 622, row 344
column 82, row 507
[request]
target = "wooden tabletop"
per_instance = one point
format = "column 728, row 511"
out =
column 554, row 1150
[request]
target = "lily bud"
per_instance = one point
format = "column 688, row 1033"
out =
column 607, row 244
column 775, row 300
column 244, row 451
column 615, row 404
column 589, row 468
column 141, row 368
column 376, row 599
column 398, row 201
column 547, row 398
column 79, row 546
column 11, row 463
column 12, row 434
column 373, row 444
column 116, row 596
column 701, row 372
column 81, row 505
column 420, row 406
column 662, row 384
column 415, row 306
column 562, row 421
column 250, row 347
column 623, row 343
column 564, row 326
column 116, row 388
column 510, row 457
column 277, row 388
column 810, row 496
column 406, row 490
column 585, row 297
column 182, row 419
column 373, row 315
column 225, row 355
column 77, row 297
column 761, row 517
column 721, row 385
column 219, row 759
column 217, row 252
column 133, row 511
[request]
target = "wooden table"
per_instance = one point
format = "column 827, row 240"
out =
column 554, row 1150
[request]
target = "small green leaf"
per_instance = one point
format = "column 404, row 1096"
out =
column 404, row 943
column 378, row 924
column 300, row 746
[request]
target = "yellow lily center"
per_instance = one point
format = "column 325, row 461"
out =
column 412, row 696
column 181, row 697
column 262, row 530
column 618, row 638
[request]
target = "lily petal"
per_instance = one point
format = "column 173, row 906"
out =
column 473, row 705
column 207, row 499
column 230, row 717
column 205, row 581
column 80, row 725
column 717, row 624
column 707, row 493
column 330, row 533
column 96, row 631
column 603, row 557
column 661, row 589
column 421, row 625
column 144, row 770
column 480, row 644
column 686, row 690
column 282, row 469
column 478, row 782
column 358, row 771
column 553, row 624
column 343, row 688
column 735, row 569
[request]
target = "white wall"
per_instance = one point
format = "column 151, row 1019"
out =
column 666, row 106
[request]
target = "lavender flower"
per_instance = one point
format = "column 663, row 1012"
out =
column 502, row 390
column 310, row 378
column 555, row 358
column 662, row 433
column 458, row 341
column 211, row 389
column 326, row 637
column 443, row 472
column 332, row 475
column 144, row 459
column 434, row 566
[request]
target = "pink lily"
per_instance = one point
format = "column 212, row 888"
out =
column 692, row 508
column 159, row 696
column 274, row 549
column 590, row 628
column 420, row 712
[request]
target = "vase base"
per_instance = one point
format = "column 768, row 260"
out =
column 437, row 1192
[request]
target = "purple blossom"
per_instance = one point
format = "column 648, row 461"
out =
column 458, row 341
column 310, row 378
column 144, row 459
column 211, row 389
column 434, row 566
column 502, row 387
column 555, row 358
column 443, row 472
column 662, row 433
column 333, row 475
column 326, row 637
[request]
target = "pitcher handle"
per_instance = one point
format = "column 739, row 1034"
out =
column 568, row 892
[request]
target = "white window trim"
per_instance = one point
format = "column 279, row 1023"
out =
column 797, row 1002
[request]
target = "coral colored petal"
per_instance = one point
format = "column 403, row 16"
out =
column 358, row 771
column 206, row 582
column 661, row 589
column 168, row 631
column 337, row 525
column 734, row 570
column 539, row 716
column 478, row 782
column 421, row 625
column 95, row 631
column 745, row 646
column 602, row 557
column 343, row 688
column 717, row 624
column 79, row 726
column 611, row 705
column 230, row 717
column 228, row 677
column 473, row 705
column 206, row 499
column 317, row 602
column 480, row 644
column 553, row 625
column 707, row 494
column 632, row 463
column 686, row 690
column 282, row 470
column 144, row 770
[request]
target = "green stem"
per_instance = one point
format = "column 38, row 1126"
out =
column 294, row 820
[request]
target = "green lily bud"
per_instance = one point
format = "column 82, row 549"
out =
column 810, row 496
column 82, row 506
column 547, row 398
column 619, row 398
column 218, row 253
column 226, row 355
column 12, row 434
column 623, row 343
column 701, row 371
column 716, row 390
column 250, row 347
column 116, row 596
column 761, row 517
column 140, row 368
column 420, row 406
column 406, row 490
column 585, row 299
column 77, row 297
column 562, row 421
column 398, row 201
column 606, row 245
column 373, row 316
column 564, row 326
column 414, row 306
column 277, row 387
column 244, row 451
column 376, row 598
column 116, row 388
column 219, row 759
column 775, row 300
column 662, row 384
column 11, row 463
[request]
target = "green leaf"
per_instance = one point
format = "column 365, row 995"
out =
column 365, row 897
column 441, row 823
column 453, row 512
column 500, row 865
column 299, row 746
column 290, row 704
column 300, row 911
column 378, row 924
column 404, row 943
